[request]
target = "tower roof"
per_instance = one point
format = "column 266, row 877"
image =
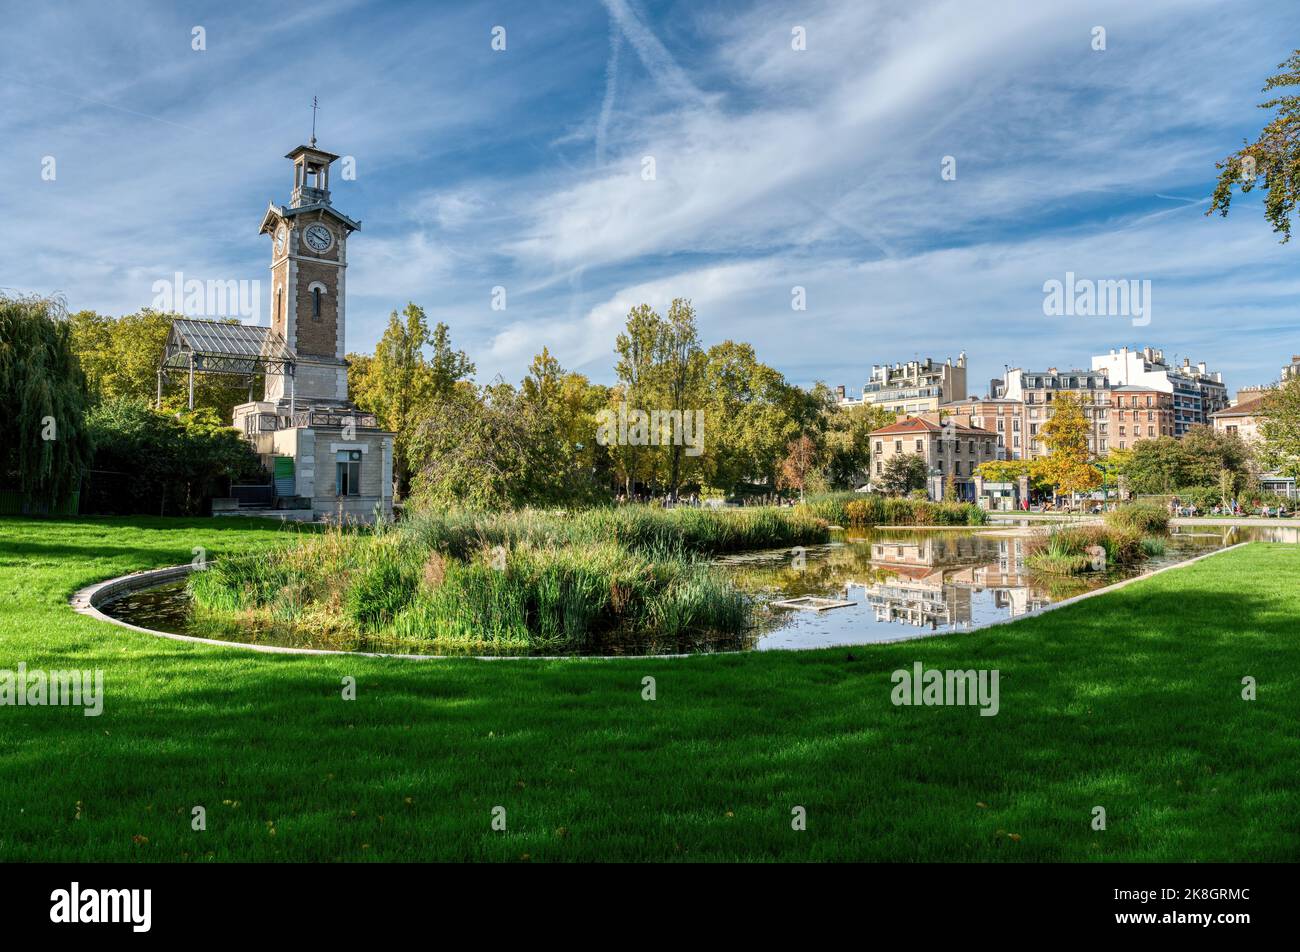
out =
column 313, row 151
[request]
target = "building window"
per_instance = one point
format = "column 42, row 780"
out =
column 347, row 473
column 920, row 446
column 898, row 446
column 315, row 304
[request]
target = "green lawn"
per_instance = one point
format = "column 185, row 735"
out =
column 1130, row 701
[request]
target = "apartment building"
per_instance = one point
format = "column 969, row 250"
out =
column 998, row 415
column 1244, row 419
column 918, row 386
column 1292, row 369
column 1139, row 413
column 1197, row 393
column 949, row 448
column 1038, row 390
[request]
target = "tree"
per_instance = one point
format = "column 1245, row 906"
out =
column 798, row 465
column 846, row 438
column 681, row 371
column 152, row 461
column 1209, row 453
column 570, row 466
column 399, row 383
column 1199, row 460
column 904, row 472
column 475, row 450
column 752, row 414
column 44, row 446
column 1281, row 428
column 1067, row 466
column 637, row 347
column 120, row 356
column 1004, row 470
column 447, row 367
column 1155, row 466
column 1274, row 157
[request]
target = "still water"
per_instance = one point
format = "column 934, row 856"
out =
column 902, row 584
column 908, row 584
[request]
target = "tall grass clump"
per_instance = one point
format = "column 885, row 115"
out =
column 874, row 510
column 1064, row 550
column 1153, row 545
column 516, row 581
column 1140, row 518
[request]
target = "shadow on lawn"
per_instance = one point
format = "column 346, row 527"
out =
column 1131, row 701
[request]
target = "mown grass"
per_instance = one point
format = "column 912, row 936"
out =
column 606, row 581
column 1131, row 700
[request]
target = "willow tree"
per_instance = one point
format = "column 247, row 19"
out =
column 43, row 441
column 1273, row 159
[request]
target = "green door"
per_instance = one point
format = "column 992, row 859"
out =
column 284, row 482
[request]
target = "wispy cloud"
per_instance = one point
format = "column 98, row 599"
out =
column 774, row 167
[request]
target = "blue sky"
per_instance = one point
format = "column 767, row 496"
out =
column 774, row 168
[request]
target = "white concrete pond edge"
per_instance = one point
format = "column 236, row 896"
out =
column 86, row 601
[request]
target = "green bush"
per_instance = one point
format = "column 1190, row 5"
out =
column 167, row 464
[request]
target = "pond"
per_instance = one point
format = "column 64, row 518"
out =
column 907, row 584
column 902, row 584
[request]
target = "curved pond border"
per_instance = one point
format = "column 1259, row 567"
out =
column 86, row 601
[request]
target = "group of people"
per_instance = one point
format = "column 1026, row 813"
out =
column 1234, row 508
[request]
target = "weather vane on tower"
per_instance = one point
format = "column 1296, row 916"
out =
column 314, row 107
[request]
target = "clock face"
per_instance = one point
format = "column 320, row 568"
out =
column 279, row 239
column 318, row 237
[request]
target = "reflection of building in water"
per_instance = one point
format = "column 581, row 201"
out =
column 921, row 599
column 925, row 596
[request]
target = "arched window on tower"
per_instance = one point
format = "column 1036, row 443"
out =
column 315, row 304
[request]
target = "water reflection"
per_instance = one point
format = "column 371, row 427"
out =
column 906, row 584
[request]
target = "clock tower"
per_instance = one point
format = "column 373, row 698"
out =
column 308, row 282
column 328, row 458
